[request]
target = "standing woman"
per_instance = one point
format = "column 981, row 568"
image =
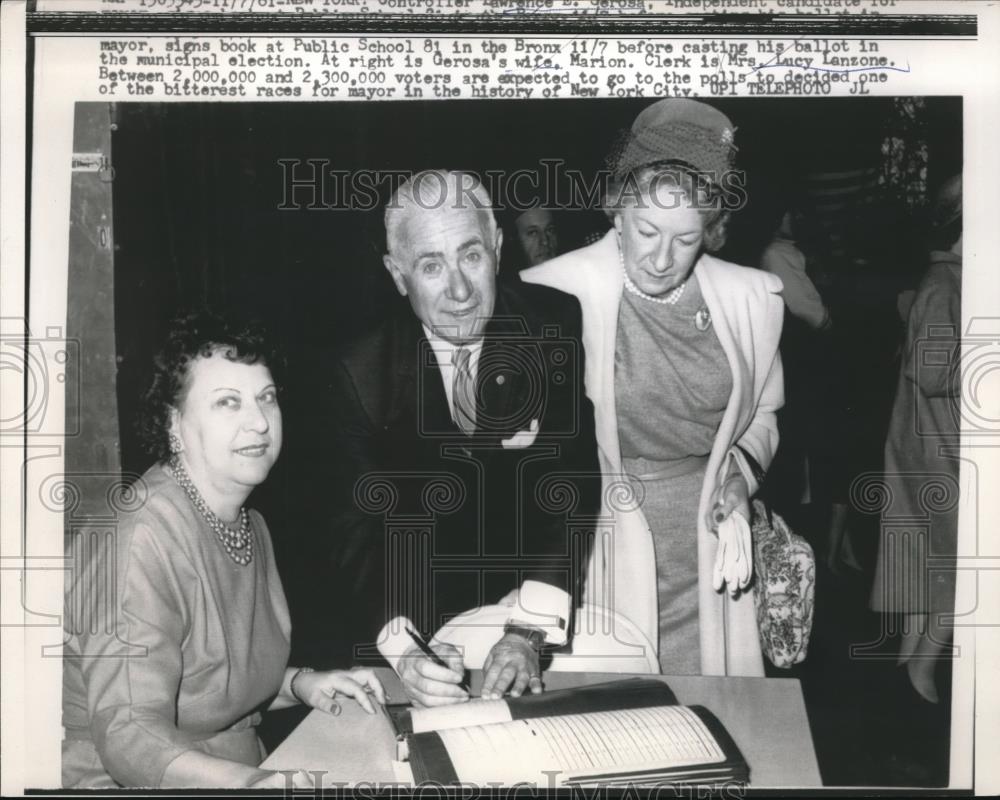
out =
column 167, row 688
column 682, row 366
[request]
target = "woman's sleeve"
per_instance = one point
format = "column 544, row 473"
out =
column 760, row 439
column 799, row 292
column 133, row 668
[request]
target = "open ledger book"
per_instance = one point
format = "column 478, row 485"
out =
column 625, row 732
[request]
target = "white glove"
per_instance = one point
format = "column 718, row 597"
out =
column 734, row 558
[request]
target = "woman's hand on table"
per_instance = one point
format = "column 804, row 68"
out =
column 734, row 556
column 430, row 684
column 318, row 689
column 511, row 662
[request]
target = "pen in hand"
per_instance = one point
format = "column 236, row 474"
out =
column 425, row 648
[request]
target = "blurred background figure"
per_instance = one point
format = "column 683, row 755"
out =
column 813, row 397
column 798, row 477
column 537, row 236
column 784, row 258
column 921, row 452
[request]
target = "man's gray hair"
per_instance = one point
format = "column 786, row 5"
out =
column 437, row 188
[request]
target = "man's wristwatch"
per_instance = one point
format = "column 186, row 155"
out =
column 535, row 637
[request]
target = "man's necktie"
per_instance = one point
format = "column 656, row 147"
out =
column 463, row 393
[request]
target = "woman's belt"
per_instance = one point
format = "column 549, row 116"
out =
column 644, row 469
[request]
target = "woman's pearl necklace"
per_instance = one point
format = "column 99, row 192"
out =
column 239, row 543
column 670, row 300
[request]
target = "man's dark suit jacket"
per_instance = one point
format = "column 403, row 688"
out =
column 429, row 522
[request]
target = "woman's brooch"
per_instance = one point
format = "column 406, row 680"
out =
column 702, row 319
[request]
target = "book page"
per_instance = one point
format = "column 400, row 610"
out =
column 580, row 745
column 460, row 715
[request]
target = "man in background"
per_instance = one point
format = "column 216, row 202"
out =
column 537, row 235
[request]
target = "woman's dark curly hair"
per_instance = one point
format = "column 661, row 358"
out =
column 199, row 334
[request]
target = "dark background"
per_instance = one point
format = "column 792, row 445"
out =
column 198, row 187
column 197, row 192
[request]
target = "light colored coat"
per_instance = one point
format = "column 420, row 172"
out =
column 747, row 313
column 921, row 453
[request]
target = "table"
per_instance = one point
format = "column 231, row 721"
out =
column 765, row 716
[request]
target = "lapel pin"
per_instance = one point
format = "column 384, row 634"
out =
column 702, row 319
column 501, row 380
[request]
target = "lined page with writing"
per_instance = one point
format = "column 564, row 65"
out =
column 661, row 737
column 460, row 715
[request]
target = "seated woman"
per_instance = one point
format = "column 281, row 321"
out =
column 682, row 366
column 169, row 690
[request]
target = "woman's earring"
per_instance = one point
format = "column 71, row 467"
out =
column 175, row 443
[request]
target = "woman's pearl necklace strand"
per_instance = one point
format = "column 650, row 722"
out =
column 670, row 300
column 239, row 543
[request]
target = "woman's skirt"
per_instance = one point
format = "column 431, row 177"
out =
column 671, row 492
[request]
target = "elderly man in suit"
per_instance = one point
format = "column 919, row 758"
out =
column 478, row 385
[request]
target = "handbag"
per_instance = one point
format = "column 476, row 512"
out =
column 784, row 585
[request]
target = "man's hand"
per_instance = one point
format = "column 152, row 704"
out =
column 512, row 662
column 430, row 684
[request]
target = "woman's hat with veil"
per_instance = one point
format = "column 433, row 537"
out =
column 677, row 130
